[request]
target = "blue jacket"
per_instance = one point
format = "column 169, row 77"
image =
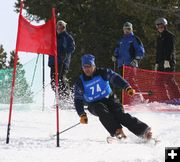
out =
column 107, row 74
column 65, row 46
column 129, row 47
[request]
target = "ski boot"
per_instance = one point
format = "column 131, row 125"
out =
column 120, row 134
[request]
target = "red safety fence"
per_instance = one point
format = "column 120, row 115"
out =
column 152, row 86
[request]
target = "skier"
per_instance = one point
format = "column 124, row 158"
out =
column 129, row 50
column 93, row 89
column 65, row 47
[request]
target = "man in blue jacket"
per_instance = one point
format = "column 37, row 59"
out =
column 93, row 89
column 65, row 49
column 129, row 50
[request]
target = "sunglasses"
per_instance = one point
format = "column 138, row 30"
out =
column 127, row 29
column 159, row 26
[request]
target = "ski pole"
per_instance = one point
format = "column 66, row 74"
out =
column 149, row 93
column 54, row 135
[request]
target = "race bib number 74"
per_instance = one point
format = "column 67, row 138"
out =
column 95, row 88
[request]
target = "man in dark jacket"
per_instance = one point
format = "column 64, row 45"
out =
column 165, row 47
column 93, row 89
column 65, row 48
column 166, row 60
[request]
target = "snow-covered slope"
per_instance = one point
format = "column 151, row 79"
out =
column 31, row 141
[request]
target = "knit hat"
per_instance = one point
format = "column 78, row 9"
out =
column 88, row 59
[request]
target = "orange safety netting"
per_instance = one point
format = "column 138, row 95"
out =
column 152, row 85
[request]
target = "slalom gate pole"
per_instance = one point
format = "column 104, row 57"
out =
column 57, row 102
column 14, row 76
column 11, row 97
column 66, row 129
column 43, row 83
column 56, row 80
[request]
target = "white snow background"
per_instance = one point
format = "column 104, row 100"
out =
column 32, row 129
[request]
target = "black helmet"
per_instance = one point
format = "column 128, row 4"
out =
column 161, row 20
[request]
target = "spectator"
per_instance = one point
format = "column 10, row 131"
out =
column 65, row 48
column 165, row 47
column 165, row 60
column 129, row 50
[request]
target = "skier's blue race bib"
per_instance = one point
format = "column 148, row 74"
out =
column 95, row 89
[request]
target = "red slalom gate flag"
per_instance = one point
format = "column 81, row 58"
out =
column 36, row 39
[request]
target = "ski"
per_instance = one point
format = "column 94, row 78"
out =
column 114, row 140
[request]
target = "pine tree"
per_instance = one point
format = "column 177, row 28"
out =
column 3, row 57
column 22, row 92
column 11, row 61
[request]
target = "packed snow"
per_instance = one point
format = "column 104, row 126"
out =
column 32, row 129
